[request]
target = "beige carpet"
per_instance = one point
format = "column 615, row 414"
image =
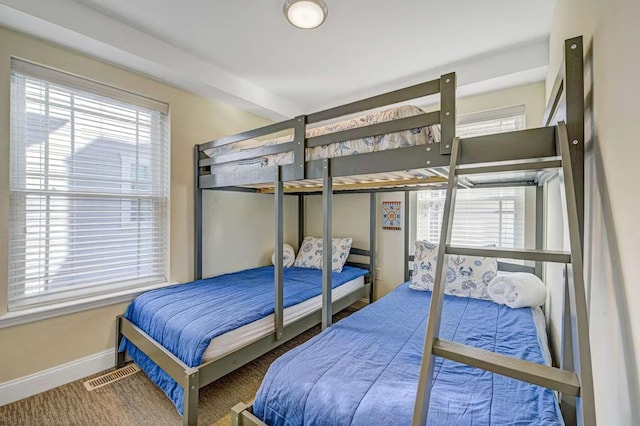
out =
column 137, row 401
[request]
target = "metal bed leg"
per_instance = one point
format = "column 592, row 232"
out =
column 300, row 220
column 406, row 235
column 327, row 211
column 197, row 209
column 236, row 413
column 191, row 391
column 372, row 246
column 279, row 237
column 539, row 238
column 120, row 356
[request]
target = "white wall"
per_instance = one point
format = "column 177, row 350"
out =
column 611, row 32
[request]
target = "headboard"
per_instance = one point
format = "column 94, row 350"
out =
column 502, row 266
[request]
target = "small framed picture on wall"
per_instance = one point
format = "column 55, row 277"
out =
column 392, row 215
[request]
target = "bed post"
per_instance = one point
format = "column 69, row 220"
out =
column 372, row 246
column 327, row 211
column 539, row 237
column 120, row 356
column 299, row 146
column 279, row 239
column 406, row 236
column 574, row 96
column 447, row 111
column 197, row 210
column 300, row 220
column 574, row 101
column 191, row 387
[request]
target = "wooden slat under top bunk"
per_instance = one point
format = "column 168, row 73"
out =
column 400, row 180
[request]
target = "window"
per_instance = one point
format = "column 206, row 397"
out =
column 89, row 188
column 494, row 121
column 482, row 216
column 487, row 216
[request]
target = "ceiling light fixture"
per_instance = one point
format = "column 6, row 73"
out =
column 305, row 14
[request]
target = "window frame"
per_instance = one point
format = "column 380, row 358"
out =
column 83, row 298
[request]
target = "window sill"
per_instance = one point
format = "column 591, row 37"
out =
column 25, row 316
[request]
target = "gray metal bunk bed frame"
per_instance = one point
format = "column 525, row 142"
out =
column 217, row 172
column 551, row 147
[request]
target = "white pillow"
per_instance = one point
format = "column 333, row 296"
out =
column 517, row 290
column 310, row 253
column 467, row 276
column 288, row 256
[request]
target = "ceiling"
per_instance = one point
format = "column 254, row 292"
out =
column 246, row 53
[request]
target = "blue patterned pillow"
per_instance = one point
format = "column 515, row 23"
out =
column 310, row 253
column 466, row 276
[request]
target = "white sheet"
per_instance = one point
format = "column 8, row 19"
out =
column 235, row 339
column 541, row 329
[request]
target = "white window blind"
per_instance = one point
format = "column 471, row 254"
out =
column 89, row 188
column 482, row 216
column 486, row 216
column 494, row 121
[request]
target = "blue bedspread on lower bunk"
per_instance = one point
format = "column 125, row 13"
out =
column 364, row 369
column 184, row 318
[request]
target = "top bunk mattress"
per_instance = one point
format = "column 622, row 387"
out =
column 364, row 369
column 406, row 138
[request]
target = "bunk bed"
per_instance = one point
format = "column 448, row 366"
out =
column 397, row 149
column 371, row 367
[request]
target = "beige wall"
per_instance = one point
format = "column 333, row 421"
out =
column 32, row 347
column 529, row 95
column 554, row 239
column 351, row 212
column 611, row 32
column 239, row 228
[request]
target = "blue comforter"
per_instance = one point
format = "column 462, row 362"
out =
column 364, row 369
column 184, row 318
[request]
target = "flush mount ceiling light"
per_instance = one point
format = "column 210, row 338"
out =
column 305, row 14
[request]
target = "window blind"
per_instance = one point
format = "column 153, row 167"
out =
column 482, row 216
column 89, row 188
column 487, row 216
column 494, row 121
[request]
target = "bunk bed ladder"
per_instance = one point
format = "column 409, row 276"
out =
column 579, row 382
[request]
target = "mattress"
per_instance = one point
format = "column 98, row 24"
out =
column 235, row 339
column 185, row 318
column 406, row 138
column 364, row 369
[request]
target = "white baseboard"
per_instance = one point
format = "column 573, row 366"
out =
column 32, row 384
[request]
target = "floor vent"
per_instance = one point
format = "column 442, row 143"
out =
column 114, row 376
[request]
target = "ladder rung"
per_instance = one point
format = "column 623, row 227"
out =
column 522, row 254
column 498, row 168
column 526, row 371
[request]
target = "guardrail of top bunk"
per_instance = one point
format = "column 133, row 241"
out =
column 531, row 144
column 220, row 166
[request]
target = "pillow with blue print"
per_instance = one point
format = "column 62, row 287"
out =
column 310, row 253
column 466, row 276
